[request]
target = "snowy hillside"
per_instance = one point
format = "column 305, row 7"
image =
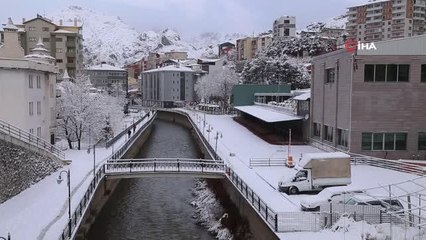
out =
column 108, row 38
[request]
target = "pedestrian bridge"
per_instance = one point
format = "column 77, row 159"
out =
column 151, row 167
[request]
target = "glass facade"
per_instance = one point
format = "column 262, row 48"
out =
column 384, row 141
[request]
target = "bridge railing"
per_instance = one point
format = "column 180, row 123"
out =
column 31, row 139
column 267, row 162
column 163, row 165
column 114, row 139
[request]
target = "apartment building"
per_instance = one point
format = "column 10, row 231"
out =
column 28, row 86
column 63, row 40
column 108, row 78
column 248, row 48
column 386, row 19
column 284, row 26
column 162, row 87
column 372, row 102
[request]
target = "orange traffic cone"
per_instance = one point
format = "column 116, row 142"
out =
column 290, row 162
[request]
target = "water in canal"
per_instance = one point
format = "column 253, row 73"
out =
column 160, row 207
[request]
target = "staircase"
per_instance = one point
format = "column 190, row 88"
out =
column 27, row 140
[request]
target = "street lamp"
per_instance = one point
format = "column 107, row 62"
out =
column 209, row 129
column 59, row 180
column 218, row 135
column 8, row 237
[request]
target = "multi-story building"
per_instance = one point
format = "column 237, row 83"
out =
column 284, row 27
column 28, row 86
column 63, row 41
column 162, row 87
column 372, row 102
column 134, row 71
column 248, row 48
column 386, row 19
column 108, row 77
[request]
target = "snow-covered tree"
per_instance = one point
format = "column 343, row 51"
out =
column 81, row 111
column 217, row 85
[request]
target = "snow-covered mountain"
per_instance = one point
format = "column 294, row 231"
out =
column 108, row 38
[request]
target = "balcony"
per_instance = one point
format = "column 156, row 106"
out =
column 71, row 44
column 70, row 54
column 71, row 65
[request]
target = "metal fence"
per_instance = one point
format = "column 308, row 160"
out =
column 300, row 222
column 267, row 162
column 125, row 131
column 79, row 212
column 30, row 139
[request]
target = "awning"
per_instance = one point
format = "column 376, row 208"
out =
column 303, row 96
column 267, row 114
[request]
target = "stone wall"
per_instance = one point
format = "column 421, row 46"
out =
column 20, row 168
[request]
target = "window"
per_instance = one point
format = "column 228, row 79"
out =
column 31, row 131
column 330, row 73
column 386, row 72
column 317, row 130
column 31, row 108
column 58, row 39
column 423, row 77
column 32, row 28
column 59, row 50
column 384, row 141
column 328, row 133
column 59, row 60
column 342, row 137
column 38, row 82
column 422, row 141
column 46, row 39
column 33, row 39
column 45, row 29
column 39, row 132
column 38, row 108
column 30, row 81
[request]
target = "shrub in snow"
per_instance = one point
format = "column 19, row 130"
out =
column 207, row 209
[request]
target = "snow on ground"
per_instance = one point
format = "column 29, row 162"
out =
column 244, row 145
column 41, row 211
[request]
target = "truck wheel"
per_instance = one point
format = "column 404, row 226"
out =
column 293, row 190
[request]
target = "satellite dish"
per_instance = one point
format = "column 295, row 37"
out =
column 307, row 116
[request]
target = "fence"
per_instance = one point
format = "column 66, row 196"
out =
column 31, row 139
column 267, row 162
column 114, row 139
column 79, row 212
column 300, row 222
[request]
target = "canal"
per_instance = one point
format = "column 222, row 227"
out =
column 160, row 207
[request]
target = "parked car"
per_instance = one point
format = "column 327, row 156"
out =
column 386, row 204
column 330, row 194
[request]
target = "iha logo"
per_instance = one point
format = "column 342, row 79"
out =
column 352, row 45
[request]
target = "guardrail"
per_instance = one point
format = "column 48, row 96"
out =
column 30, row 139
column 267, row 162
column 79, row 212
column 114, row 139
column 152, row 165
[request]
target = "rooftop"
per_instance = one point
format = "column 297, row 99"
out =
column 171, row 68
column 105, row 67
column 267, row 114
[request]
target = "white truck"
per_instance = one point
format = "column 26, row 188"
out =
column 316, row 171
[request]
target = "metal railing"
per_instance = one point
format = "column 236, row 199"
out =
column 125, row 131
column 81, row 208
column 267, row 162
column 29, row 138
column 161, row 165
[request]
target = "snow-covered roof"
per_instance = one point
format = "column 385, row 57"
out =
column 63, row 31
column 105, row 67
column 303, row 97
column 10, row 25
column 306, row 158
column 171, row 68
column 205, row 60
column 267, row 114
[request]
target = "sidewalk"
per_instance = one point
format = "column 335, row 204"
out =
column 41, row 211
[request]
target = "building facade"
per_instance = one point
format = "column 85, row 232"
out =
column 382, row 20
column 28, row 86
column 63, row 41
column 109, row 78
column 284, row 27
column 373, row 102
column 162, row 87
column 248, row 48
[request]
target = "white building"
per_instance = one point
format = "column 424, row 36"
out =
column 163, row 87
column 27, row 86
column 284, row 27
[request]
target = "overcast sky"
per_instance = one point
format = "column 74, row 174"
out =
column 191, row 17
